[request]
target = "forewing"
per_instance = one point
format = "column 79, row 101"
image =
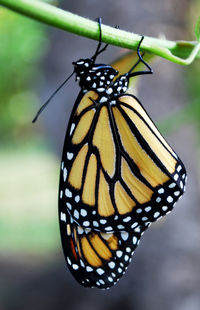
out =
column 118, row 172
column 89, row 165
column 151, row 172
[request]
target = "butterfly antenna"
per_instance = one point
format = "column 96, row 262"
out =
column 50, row 98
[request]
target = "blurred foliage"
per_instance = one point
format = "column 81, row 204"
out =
column 190, row 114
column 23, row 43
column 193, row 76
column 28, row 187
column 28, row 192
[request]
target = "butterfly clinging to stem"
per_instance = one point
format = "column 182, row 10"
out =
column 118, row 174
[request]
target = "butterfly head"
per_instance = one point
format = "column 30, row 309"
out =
column 93, row 76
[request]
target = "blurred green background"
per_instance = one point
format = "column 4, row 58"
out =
column 34, row 59
column 27, row 164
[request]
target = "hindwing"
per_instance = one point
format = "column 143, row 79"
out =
column 94, row 258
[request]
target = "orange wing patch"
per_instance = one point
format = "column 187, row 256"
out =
column 159, row 150
column 146, row 165
column 123, row 201
column 105, row 206
column 103, row 140
column 86, row 102
column 100, row 247
column 89, row 253
column 83, row 127
column 112, row 241
column 88, row 195
column 75, row 176
column 139, row 190
column 133, row 103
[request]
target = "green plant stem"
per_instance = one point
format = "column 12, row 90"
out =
column 181, row 52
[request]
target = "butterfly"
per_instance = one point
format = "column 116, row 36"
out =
column 118, row 174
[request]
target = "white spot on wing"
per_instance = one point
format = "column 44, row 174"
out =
column 169, row 199
column 127, row 219
column 103, row 221
column 95, row 224
column 119, row 253
column 76, row 214
column 103, row 99
column 63, row 217
column 75, row 267
column 120, row 226
column 69, row 155
column 109, row 228
column 158, row 199
column 68, row 193
column 134, row 240
column 77, row 198
column 89, row 269
column 69, row 261
column 111, row 265
column 64, row 174
column 69, row 206
column 134, row 225
column 176, row 177
column 109, row 91
column 156, row 214
column 144, row 218
column 72, row 128
column 83, row 212
column 179, row 168
column 124, row 235
column 100, row 271
column 80, row 230
column 137, row 229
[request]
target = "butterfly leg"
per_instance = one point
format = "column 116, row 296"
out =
column 149, row 71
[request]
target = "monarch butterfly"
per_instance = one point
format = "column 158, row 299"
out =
column 118, row 174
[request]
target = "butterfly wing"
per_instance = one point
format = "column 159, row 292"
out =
column 151, row 170
column 96, row 259
column 118, row 172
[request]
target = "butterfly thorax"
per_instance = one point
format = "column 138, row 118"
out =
column 101, row 78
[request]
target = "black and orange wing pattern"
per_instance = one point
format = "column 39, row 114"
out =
column 118, row 175
column 96, row 259
column 117, row 169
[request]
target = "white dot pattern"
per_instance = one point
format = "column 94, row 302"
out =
column 82, row 223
